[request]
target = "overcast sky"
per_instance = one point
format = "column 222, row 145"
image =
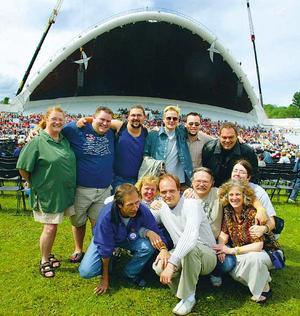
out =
column 276, row 25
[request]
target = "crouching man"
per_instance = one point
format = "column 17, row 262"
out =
column 192, row 236
column 127, row 224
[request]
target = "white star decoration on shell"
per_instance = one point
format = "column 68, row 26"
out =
column 84, row 60
column 212, row 50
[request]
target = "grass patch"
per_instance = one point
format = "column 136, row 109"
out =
column 24, row 292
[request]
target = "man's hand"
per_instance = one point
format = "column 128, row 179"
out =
column 167, row 274
column 102, row 287
column 257, row 231
column 162, row 257
column 155, row 239
column 156, row 205
column 190, row 194
column 221, row 257
column 223, row 249
column 32, row 134
column 83, row 121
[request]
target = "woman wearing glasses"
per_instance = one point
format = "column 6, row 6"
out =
column 242, row 170
column 48, row 163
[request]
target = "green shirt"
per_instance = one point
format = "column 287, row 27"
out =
column 52, row 166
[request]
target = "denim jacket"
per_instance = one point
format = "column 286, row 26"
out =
column 156, row 147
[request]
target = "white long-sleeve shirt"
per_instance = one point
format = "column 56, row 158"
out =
column 187, row 225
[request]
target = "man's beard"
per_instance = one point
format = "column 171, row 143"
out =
column 135, row 126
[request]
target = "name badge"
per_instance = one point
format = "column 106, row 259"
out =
column 132, row 236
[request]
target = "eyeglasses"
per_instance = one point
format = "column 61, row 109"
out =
column 239, row 171
column 194, row 123
column 201, row 181
column 172, row 118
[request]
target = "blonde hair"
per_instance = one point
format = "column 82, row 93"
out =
column 243, row 186
column 56, row 108
column 148, row 179
column 172, row 108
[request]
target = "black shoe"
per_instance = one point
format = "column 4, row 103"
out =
column 267, row 295
column 136, row 281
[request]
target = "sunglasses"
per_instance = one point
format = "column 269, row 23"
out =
column 172, row 118
column 194, row 123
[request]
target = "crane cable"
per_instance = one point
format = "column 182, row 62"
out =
column 252, row 36
column 51, row 21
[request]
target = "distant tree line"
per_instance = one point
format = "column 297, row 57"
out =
column 292, row 111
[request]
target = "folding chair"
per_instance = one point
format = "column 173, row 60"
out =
column 269, row 180
column 286, row 183
column 7, row 165
column 12, row 183
column 9, row 159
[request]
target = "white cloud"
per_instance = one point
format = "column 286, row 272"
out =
column 8, row 86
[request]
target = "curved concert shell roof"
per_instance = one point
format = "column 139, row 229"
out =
column 148, row 54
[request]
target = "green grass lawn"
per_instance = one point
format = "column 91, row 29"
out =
column 23, row 291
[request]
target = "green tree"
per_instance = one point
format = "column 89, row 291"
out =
column 296, row 100
column 5, row 100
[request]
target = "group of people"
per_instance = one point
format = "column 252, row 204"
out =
column 181, row 200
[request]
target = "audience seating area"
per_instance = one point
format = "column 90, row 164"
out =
column 278, row 180
column 11, row 181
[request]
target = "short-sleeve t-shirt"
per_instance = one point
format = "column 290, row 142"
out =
column 94, row 155
column 129, row 154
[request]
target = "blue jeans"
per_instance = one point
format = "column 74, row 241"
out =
column 141, row 248
column 117, row 180
column 296, row 189
column 226, row 266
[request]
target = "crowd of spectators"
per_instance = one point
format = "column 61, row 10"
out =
column 14, row 126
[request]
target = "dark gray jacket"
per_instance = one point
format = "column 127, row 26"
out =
column 221, row 162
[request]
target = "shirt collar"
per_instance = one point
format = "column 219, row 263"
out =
column 49, row 138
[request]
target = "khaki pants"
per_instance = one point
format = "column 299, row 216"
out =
column 252, row 270
column 199, row 261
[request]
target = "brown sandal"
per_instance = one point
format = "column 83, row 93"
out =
column 54, row 261
column 46, row 270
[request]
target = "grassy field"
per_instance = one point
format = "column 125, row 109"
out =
column 24, row 292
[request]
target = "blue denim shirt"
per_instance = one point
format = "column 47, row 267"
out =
column 156, row 147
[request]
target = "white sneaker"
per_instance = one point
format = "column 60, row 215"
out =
column 177, row 306
column 291, row 201
column 215, row 280
column 184, row 307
